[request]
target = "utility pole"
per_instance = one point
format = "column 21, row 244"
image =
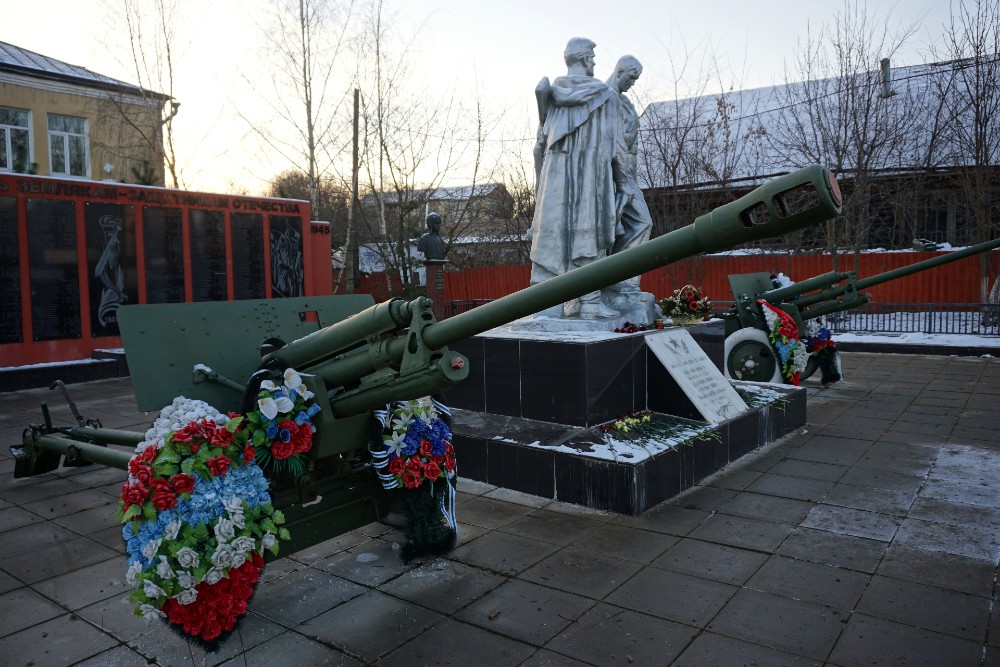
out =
column 351, row 256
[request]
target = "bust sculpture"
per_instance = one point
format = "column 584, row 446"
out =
column 430, row 243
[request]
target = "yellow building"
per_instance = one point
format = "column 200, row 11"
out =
column 62, row 120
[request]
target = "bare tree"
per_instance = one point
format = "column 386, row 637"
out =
column 836, row 115
column 969, row 91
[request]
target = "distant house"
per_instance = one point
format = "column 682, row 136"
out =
column 896, row 140
column 58, row 119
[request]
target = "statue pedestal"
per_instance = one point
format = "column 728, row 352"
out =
column 525, row 418
column 434, row 284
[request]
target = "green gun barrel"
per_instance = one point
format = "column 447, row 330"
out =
column 786, row 204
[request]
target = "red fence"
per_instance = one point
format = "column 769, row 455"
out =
column 957, row 282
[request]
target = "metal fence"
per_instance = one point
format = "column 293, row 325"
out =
column 977, row 319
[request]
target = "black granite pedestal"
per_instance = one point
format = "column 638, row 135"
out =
column 525, row 419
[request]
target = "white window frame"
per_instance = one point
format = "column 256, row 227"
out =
column 64, row 138
column 8, row 148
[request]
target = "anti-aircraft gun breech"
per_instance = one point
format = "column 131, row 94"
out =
column 357, row 356
column 748, row 351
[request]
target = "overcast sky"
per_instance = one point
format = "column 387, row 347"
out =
column 501, row 47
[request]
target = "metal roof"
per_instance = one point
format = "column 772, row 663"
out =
column 28, row 63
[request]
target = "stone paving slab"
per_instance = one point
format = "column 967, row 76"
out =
column 870, row 537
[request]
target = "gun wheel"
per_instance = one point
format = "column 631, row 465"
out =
column 749, row 356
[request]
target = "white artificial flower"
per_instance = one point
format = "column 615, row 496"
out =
column 267, row 541
column 164, row 570
column 172, row 530
column 268, row 407
column 213, row 576
column 132, row 574
column 284, row 404
column 186, row 580
column 149, row 551
column 292, row 379
column 188, row 557
column 223, row 556
column 233, row 504
column 151, row 590
column 238, row 559
column 242, row 544
column 305, row 393
column 224, row 530
column 268, row 385
column 149, row 612
column 394, row 443
column 238, row 519
column 187, row 596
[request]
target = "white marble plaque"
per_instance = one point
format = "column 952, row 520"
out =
column 696, row 375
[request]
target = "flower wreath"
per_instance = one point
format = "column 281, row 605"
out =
column 281, row 427
column 197, row 519
column 415, row 455
column 784, row 336
column 819, row 343
column 686, row 302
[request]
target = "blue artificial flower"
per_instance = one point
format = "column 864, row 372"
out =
column 301, row 418
column 272, row 431
column 285, row 435
column 313, row 409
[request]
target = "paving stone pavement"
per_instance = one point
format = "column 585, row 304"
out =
column 870, row 537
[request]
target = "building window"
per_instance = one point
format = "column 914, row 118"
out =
column 69, row 149
column 15, row 140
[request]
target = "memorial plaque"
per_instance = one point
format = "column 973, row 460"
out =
column 696, row 375
column 287, row 270
column 163, row 248
column 53, row 269
column 249, row 279
column 111, row 266
column 208, row 256
column 10, row 273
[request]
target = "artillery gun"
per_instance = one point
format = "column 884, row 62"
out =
column 357, row 356
column 749, row 353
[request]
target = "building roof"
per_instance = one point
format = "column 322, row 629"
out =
column 742, row 146
column 17, row 60
column 460, row 193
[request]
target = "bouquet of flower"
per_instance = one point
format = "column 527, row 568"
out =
column 686, row 303
column 418, row 444
column 416, row 448
column 630, row 422
column 281, row 427
column 819, row 343
column 784, row 336
column 197, row 518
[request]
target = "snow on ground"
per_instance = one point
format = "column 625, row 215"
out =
column 916, row 338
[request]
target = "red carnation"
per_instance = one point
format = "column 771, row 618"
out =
column 249, row 453
column 218, row 465
column 302, row 437
column 282, row 450
column 411, row 480
column 396, row 466
column 426, row 447
column 432, row 471
column 182, row 483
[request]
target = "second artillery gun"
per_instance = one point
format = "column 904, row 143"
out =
column 357, row 356
column 749, row 353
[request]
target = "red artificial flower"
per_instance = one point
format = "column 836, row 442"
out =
column 396, row 466
column 282, row 450
column 164, row 500
column 194, row 447
column 182, row 483
column 221, row 437
column 134, row 494
column 415, row 466
column 218, row 465
column 795, row 379
column 426, row 447
column 249, row 453
column 302, row 438
column 411, row 480
column 149, row 454
column 432, row 471
column 449, row 461
column 161, row 485
column 142, row 472
column 233, row 415
column 218, row 606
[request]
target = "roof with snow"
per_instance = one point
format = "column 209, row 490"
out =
column 17, row 60
column 460, row 193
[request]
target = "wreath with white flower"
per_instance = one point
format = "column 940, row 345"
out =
column 197, row 519
column 784, row 337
